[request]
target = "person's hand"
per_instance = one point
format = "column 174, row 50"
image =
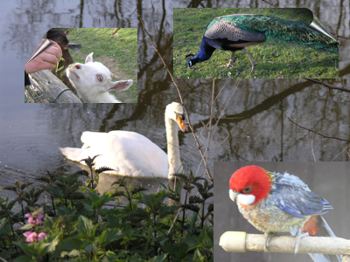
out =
column 46, row 60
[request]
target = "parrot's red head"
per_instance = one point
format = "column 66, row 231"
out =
column 250, row 185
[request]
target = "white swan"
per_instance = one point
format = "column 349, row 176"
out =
column 132, row 154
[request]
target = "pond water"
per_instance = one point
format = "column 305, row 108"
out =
column 251, row 119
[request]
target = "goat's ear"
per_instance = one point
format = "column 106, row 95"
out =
column 121, row 85
column 89, row 58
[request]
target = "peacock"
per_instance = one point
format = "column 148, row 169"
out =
column 237, row 31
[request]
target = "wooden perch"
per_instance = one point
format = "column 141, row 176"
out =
column 236, row 241
column 47, row 88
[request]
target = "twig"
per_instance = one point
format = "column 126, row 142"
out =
column 236, row 241
column 318, row 133
column 174, row 221
column 209, row 125
column 328, row 85
column 344, row 150
column 312, row 150
column 199, row 147
column 115, row 31
column 81, row 13
column 211, row 116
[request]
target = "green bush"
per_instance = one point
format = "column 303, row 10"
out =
column 127, row 224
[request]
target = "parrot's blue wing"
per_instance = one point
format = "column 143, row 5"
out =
column 294, row 197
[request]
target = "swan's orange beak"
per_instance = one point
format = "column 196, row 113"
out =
column 181, row 123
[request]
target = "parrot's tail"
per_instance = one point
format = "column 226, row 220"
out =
column 323, row 229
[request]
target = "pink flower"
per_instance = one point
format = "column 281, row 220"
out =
column 31, row 220
column 32, row 237
column 34, row 220
column 41, row 236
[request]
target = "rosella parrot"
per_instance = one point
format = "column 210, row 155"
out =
column 276, row 202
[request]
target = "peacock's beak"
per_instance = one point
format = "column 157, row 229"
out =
column 180, row 120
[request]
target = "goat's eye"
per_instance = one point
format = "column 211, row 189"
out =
column 77, row 66
column 99, row 77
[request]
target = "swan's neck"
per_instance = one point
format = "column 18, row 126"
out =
column 174, row 161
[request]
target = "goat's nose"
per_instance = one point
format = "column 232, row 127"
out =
column 77, row 66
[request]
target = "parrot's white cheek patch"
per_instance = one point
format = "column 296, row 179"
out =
column 245, row 199
column 232, row 195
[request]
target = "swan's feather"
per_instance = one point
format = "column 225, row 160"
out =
column 127, row 153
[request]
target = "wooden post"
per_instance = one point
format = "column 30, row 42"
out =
column 47, row 88
column 234, row 241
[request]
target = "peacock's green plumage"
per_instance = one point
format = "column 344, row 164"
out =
column 274, row 28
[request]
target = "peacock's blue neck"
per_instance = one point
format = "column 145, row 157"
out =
column 204, row 53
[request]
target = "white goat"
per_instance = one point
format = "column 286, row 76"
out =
column 93, row 81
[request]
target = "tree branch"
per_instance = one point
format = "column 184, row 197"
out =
column 237, row 241
column 328, row 85
column 318, row 133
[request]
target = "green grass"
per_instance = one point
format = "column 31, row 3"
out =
column 117, row 51
column 275, row 59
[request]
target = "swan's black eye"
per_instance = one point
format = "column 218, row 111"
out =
column 181, row 116
column 247, row 190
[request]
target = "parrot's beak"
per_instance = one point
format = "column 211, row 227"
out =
column 233, row 195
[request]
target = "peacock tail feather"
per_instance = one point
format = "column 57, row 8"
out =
column 274, row 28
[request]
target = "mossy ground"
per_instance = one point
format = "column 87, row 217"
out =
column 118, row 51
column 275, row 59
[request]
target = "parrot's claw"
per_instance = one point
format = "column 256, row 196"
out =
column 267, row 241
column 297, row 242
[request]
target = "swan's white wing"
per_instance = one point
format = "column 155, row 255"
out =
column 128, row 153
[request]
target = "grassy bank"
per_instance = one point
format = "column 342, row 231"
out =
column 275, row 59
column 117, row 49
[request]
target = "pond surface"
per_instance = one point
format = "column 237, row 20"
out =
column 251, row 120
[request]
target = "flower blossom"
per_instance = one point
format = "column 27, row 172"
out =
column 32, row 237
column 34, row 220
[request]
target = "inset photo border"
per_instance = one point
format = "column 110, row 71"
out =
column 84, row 65
column 328, row 180
column 265, row 43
